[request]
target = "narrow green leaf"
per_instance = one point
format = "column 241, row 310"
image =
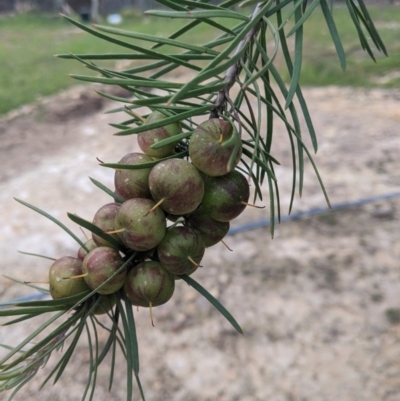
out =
column 128, row 344
column 279, row 112
column 358, row 16
column 129, row 82
column 268, row 97
column 27, row 284
column 260, row 163
column 304, row 17
column 36, row 254
column 272, row 207
column 279, row 6
column 20, row 319
column 363, row 40
column 257, row 150
column 298, row 57
column 292, row 109
column 266, row 156
column 334, row 33
column 265, row 67
column 292, row 11
column 157, row 39
column 216, row 63
column 90, row 347
column 111, row 56
column 62, row 364
column 123, row 166
column 33, row 310
column 158, row 56
column 51, row 302
column 371, row 26
column 173, row 5
column 213, row 301
column 112, row 364
column 96, row 358
column 28, row 339
column 10, row 374
column 21, row 384
column 181, row 31
column 249, row 172
column 152, row 66
column 54, row 220
column 115, row 98
column 174, row 118
column 247, row 3
column 96, row 230
column 316, row 172
column 159, row 100
column 307, row 118
column 235, row 139
column 119, row 126
column 129, row 122
column 112, row 341
column 303, row 105
column 198, row 14
column 132, row 334
column 172, row 139
column 108, row 191
column 206, row 74
column 204, row 5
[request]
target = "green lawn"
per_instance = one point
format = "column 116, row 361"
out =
column 320, row 62
column 28, row 43
column 29, row 70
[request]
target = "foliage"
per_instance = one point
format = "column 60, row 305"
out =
column 234, row 78
column 25, row 61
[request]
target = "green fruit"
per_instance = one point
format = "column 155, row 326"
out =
column 148, row 138
column 104, row 219
column 209, row 150
column 99, row 265
column 143, row 229
column 61, row 285
column 181, row 250
column 177, row 185
column 133, row 183
column 211, row 231
column 90, row 244
column 149, row 284
column 225, row 197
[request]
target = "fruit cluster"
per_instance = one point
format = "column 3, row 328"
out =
column 170, row 214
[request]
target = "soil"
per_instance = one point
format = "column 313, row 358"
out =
column 319, row 304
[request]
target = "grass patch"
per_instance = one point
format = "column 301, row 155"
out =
column 321, row 64
column 29, row 70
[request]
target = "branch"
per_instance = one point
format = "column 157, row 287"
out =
column 234, row 70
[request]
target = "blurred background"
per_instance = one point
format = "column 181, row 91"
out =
column 32, row 32
column 319, row 304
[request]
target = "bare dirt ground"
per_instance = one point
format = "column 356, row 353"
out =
column 319, row 304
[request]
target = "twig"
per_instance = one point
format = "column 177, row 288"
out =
column 234, row 70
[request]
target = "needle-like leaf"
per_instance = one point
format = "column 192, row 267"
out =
column 213, row 301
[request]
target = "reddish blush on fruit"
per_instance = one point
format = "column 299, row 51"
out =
column 176, row 186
